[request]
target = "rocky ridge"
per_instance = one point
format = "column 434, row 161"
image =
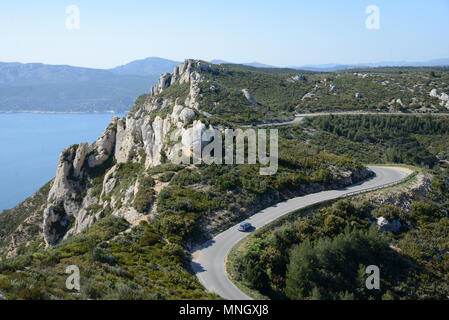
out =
column 139, row 137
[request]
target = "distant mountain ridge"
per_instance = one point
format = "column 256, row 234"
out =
column 336, row 67
column 38, row 87
column 250, row 64
column 39, row 73
column 146, row 67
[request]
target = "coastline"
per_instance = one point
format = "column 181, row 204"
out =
column 33, row 143
column 62, row 112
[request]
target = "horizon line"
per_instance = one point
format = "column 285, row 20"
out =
column 403, row 63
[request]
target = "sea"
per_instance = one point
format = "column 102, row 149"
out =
column 30, row 145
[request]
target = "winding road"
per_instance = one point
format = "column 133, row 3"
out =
column 208, row 260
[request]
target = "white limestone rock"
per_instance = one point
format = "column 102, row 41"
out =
column 383, row 225
column 62, row 185
column 186, row 114
column 81, row 152
column 177, row 109
column 308, row 95
column 249, row 96
column 297, row 78
column 434, row 93
column 164, row 83
column 109, row 182
column 207, row 68
column 139, row 135
column 128, row 133
column 102, row 149
column 399, row 102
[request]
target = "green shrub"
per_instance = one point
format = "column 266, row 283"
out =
column 149, row 238
column 330, row 267
column 166, row 177
column 426, row 213
column 145, row 195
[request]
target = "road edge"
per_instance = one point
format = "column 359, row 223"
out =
column 411, row 171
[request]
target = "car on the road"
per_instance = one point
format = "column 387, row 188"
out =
column 244, row 226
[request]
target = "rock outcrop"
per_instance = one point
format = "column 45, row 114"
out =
column 434, row 93
column 249, row 96
column 103, row 147
column 308, row 95
column 383, row 225
column 297, row 78
column 65, row 199
column 164, row 83
column 443, row 97
column 139, row 137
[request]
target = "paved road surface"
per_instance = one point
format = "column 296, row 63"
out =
column 209, row 259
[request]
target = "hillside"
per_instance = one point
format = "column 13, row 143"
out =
column 278, row 93
column 128, row 216
column 118, row 203
column 322, row 252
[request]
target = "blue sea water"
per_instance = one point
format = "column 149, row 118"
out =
column 30, row 145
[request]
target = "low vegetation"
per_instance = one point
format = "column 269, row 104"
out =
column 323, row 252
column 138, row 265
column 282, row 93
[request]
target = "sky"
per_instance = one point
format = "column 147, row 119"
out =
column 280, row 33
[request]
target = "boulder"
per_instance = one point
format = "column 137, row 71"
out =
column 297, row 78
column 186, row 114
column 383, row 225
column 177, row 109
column 434, row 93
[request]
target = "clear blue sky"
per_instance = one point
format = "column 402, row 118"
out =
column 282, row 32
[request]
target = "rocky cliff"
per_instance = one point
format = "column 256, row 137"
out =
column 143, row 136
